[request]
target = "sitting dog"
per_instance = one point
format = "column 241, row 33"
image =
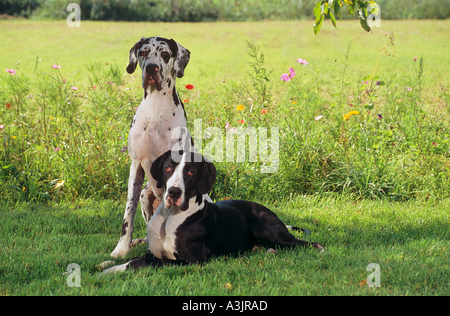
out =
column 187, row 228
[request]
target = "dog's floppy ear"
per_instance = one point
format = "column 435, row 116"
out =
column 132, row 63
column 156, row 170
column 208, row 176
column 182, row 60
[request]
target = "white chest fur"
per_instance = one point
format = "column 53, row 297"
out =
column 161, row 230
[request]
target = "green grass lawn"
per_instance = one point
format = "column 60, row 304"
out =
column 372, row 188
column 409, row 241
column 218, row 49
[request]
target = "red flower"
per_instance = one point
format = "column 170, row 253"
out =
column 185, row 101
column 434, row 143
column 241, row 121
column 8, row 105
column 189, row 87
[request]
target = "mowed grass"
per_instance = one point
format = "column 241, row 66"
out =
column 409, row 241
column 218, row 49
column 403, row 156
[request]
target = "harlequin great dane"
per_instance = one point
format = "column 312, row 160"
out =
column 152, row 129
column 187, row 228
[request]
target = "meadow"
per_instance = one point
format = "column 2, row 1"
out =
column 363, row 154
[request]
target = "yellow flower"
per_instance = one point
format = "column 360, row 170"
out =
column 353, row 113
column 240, row 108
column 294, row 102
column 13, row 137
column 346, row 117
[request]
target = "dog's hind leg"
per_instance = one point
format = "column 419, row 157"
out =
column 149, row 204
column 135, row 182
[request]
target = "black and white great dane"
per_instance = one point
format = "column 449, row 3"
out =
column 187, row 228
column 152, row 129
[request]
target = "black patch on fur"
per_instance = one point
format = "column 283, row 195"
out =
column 176, row 98
column 124, row 227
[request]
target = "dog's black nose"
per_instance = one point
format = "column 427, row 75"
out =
column 152, row 69
column 174, row 193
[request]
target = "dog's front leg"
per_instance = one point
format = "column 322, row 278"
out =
column 135, row 182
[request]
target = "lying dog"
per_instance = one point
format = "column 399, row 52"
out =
column 186, row 228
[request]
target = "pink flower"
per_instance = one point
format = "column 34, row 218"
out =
column 434, row 143
column 415, row 58
column 64, row 80
column 302, row 62
column 74, row 88
column 409, row 89
column 57, row 149
column 11, row 71
column 2, row 126
column 287, row 77
column 318, row 118
column 55, row 66
column 227, row 125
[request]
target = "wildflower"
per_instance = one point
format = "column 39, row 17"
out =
column 13, row 137
column 380, row 117
column 294, row 103
column 241, row 121
column 189, row 87
column 415, row 58
column 124, row 149
column 302, row 62
column 57, row 149
column 55, row 66
column 64, row 80
column 378, row 82
column 227, row 125
column 74, row 88
column 409, row 89
column 11, row 71
column 264, row 111
column 287, row 77
column 346, row 117
column 94, row 87
column 353, row 113
column 434, row 143
column 240, row 107
column 186, row 101
column 8, row 105
column 318, row 118
column 2, row 126
column 30, row 96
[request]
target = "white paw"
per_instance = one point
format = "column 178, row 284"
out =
column 121, row 250
column 115, row 269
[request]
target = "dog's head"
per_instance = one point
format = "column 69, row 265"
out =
column 192, row 176
column 161, row 60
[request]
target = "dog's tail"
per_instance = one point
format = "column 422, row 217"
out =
column 294, row 228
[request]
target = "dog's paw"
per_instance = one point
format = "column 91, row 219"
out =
column 138, row 241
column 105, row 264
column 115, row 269
column 121, row 250
column 317, row 245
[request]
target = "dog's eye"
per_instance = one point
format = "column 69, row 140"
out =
column 165, row 56
column 190, row 172
column 143, row 53
column 168, row 169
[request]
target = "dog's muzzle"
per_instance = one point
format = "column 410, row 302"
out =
column 173, row 196
column 152, row 76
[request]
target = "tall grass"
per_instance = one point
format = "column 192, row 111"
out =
column 371, row 137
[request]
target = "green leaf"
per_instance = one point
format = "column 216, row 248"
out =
column 364, row 25
column 317, row 12
column 317, row 26
column 337, row 8
column 333, row 19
